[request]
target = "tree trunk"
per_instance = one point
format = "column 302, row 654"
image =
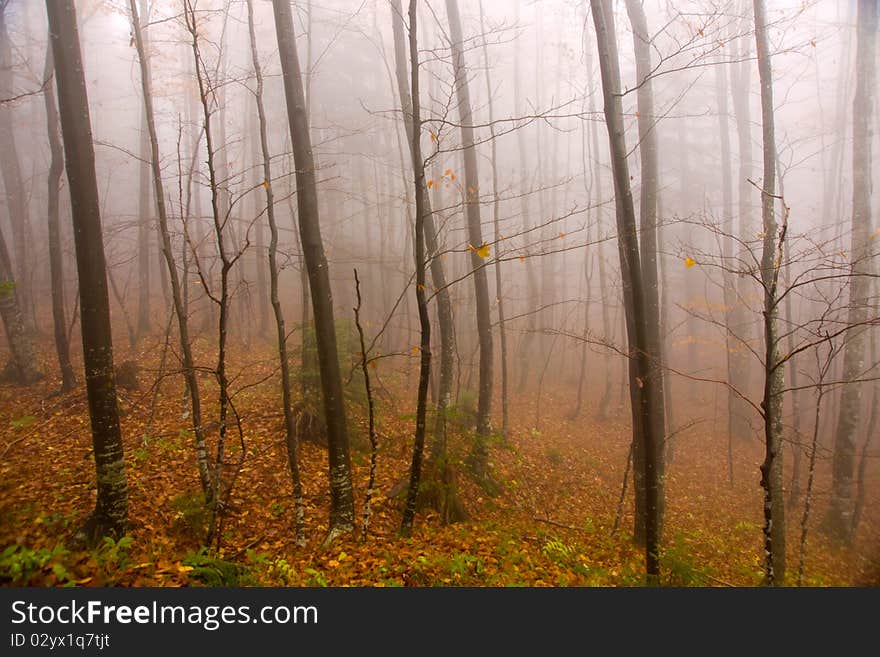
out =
column 289, row 420
column 871, row 432
column 341, row 494
column 144, row 210
column 771, row 260
column 630, row 266
column 727, row 235
column 189, row 371
column 496, row 209
column 524, row 352
column 604, row 299
column 262, row 288
column 739, row 326
column 421, row 302
column 111, row 509
column 56, row 268
column 438, row 274
column 480, row 453
column 647, row 122
column 220, row 217
column 16, row 198
column 793, row 384
column 843, row 462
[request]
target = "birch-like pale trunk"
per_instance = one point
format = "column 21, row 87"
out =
column 771, row 262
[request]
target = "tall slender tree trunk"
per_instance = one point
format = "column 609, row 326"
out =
column 421, row 193
column 496, row 210
column 22, row 367
column 341, row 493
column 635, row 305
column 480, row 453
column 793, row 383
column 771, row 261
column 220, row 218
column 871, row 434
column 16, row 198
column 524, row 352
column 111, row 508
column 289, row 420
column 604, row 284
column 189, row 371
column 739, row 326
column 56, row 268
column 647, row 123
column 143, row 234
column 144, row 209
column 438, row 273
column 843, row 463
column 727, row 235
column 263, row 292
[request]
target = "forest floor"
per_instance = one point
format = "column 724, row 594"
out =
column 549, row 525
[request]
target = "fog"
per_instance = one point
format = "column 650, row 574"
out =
column 563, row 349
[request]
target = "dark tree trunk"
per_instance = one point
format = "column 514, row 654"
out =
column 220, row 215
column 56, row 269
column 341, row 494
column 843, row 463
column 480, row 454
column 635, row 305
column 438, row 273
column 647, row 122
column 421, row 302
column 111, row 510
